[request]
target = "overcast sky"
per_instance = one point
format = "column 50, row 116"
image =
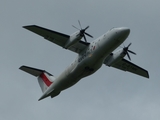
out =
column 109, row 94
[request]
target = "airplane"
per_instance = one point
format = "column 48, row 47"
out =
column 91, row 56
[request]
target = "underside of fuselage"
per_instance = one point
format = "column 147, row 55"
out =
column 87, row 64
column 78, row 73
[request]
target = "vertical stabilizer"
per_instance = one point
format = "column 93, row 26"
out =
column 44, row 81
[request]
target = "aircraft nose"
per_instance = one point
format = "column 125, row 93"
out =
column 122, row 33
column 125, row 31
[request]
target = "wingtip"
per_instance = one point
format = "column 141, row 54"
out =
column 23, row 26
column 28, row 26
column 147, row 75
column 21, row 67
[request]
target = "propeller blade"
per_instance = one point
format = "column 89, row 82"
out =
column 75, row 27
column 85, row 38
column 129, row 45
column 88, row 35
column 132, row 52
column 80, row 24
column 82, row 31
column 128, row 51
column 86, row 28
column 128, row 56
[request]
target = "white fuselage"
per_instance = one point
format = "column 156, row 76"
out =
column 90, row 60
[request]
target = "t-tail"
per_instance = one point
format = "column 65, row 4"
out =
column 45, row 79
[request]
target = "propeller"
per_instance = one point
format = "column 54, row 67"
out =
column 127, row 51
column 82, row 31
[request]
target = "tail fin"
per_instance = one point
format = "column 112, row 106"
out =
column 45, row 79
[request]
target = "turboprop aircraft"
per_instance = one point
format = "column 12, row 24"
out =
column 91, row 56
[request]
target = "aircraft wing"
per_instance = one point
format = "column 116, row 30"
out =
column 125, row 65
column 57, row 38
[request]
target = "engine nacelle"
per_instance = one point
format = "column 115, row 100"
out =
column 114, row 57
column 74, row 38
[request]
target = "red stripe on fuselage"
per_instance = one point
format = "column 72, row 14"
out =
column 45, row 79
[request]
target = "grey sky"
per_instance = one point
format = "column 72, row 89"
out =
column 109, row 93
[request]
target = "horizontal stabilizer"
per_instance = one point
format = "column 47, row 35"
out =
column 33, row 71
